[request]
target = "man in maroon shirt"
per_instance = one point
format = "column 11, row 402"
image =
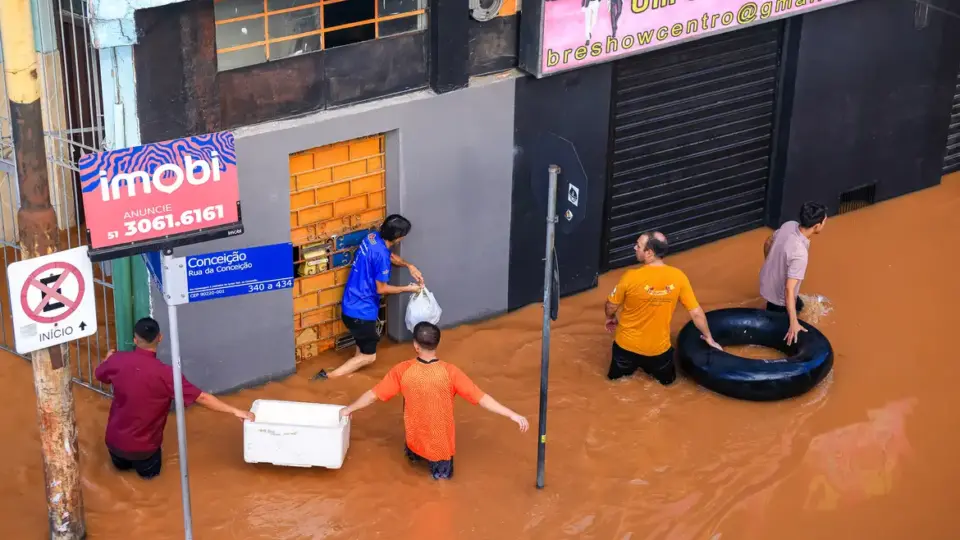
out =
column 142, row 394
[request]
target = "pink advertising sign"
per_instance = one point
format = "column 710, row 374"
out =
column 560, row 35
column 160, row 195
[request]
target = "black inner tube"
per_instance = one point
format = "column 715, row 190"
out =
column 808, row 360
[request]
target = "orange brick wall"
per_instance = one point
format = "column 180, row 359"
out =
column 333, row 190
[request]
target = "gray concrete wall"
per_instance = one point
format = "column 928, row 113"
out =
column 449, row 170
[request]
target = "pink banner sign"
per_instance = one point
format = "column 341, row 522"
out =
column 156, row 194
column 577, row 33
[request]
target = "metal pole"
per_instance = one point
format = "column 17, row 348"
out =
column 39, row 235
column 123, row 302
column 545, row 340
column 178, row 403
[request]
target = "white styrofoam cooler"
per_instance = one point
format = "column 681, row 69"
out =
column 296, row 434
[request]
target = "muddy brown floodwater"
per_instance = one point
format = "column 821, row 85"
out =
column 870, row 453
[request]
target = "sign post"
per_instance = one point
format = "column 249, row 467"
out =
column 548, row 313
column 168, row 263
column 195, row 278
column 153, row 198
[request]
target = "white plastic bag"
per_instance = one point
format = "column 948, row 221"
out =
column 422, row 307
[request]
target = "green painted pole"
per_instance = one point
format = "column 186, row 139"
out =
column 123, row 303
column 141, row 288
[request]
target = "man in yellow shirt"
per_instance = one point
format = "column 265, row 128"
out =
column 646, row 298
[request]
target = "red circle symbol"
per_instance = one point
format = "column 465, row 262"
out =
column 50, row 293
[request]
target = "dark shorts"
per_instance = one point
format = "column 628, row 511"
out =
column 147, row 468
column 364, row 333
column 624, row 363
column 783, row 309
column 440, row 470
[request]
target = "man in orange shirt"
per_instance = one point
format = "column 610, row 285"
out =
column 428, row 386
column 646, row 298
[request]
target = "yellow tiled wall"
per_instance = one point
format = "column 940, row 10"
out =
column 334, row 189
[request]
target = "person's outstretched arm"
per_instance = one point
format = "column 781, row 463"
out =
column 700, row 321
column 211, row 402
column 382, row 278
column 368, row 398
column 383, row 391
column 386, row 288
column 465, row 388
column 494, row 406
column 689, row 301
column 793, row 333
column 397, row 260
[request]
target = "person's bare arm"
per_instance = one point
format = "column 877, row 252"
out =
column 494, row 406
column 700, row 321
column 610, row 310
column 791, row 301
column 767, row 245
column 414, row 271
column 211, row 402
column 386, row 288
column 368, row 398
column 791, row 297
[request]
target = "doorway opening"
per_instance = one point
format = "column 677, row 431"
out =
column 337, row 195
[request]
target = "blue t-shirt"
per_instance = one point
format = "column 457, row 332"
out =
column 371, row 264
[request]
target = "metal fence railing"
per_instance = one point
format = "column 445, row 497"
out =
column 73, row 126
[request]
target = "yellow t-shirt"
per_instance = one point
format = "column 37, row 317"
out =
column 648, row 297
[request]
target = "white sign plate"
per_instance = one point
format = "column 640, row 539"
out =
column 52, row 299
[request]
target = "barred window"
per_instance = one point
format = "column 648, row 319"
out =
column 252, row 32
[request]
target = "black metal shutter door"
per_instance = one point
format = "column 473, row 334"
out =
column 692, row 128
column 951, row 158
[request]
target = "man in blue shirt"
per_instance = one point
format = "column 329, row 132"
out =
column 369, row 279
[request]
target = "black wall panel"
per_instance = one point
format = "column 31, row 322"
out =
column 875, row 82
column 951, row 157
column 493, row 45
column 563, row 119
column 691, row 141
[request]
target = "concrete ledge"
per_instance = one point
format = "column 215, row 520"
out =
column 112, row 22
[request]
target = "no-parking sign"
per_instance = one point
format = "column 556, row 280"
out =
column 51, row 299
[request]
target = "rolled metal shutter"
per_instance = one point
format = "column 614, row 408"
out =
column 692, row 128
column 951, row 157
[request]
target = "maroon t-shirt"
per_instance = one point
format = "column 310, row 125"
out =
column 142, row 394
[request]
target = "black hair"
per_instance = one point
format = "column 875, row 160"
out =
column 657, row 243
column 427, row 335
column 147, row 329
column 395, row 227
column 812, row 213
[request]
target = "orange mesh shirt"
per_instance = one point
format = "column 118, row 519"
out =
column 428, row 389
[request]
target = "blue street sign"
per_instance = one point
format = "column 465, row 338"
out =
column 242, row 271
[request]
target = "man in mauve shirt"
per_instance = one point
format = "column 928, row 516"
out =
column 142, row 394
column 428, row 386
column 785, row 253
